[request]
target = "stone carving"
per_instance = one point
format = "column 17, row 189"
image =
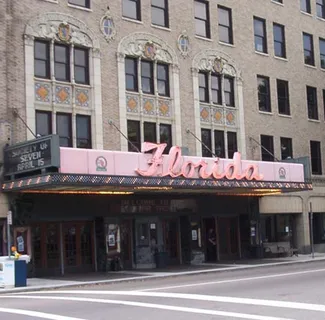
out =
column 183, row 44
column 135, row 45
column 61, row 27
column 107, row 26
column 215, row 61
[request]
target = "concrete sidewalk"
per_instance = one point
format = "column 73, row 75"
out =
column 78, row 280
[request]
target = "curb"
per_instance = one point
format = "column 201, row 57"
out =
column 155, row 277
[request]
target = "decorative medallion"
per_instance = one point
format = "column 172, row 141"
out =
column 218, row 116
column 64, row 32
column 131, row 104
column 204, row 114
column 218, row 65
column 149, row 50
column 62, row 95
column 230, row 118
column 107, row 26
column 148, row 107
column 42, row 92
column 184, row 44
column 82, row 98
column 282, row 173
column 101, row 164
column 164, row 109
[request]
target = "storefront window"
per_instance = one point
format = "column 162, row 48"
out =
column 276, row 228
column 319, row 228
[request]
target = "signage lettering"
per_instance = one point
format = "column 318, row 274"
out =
column 177, row 167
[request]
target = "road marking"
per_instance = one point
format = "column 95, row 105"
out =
column 199, row 297
column 235, row 280
column 37, row 314
column 154, row 306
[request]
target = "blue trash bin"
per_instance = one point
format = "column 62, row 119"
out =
column 20, row 273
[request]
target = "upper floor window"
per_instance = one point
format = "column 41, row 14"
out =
column 305, row 6
column 286, row 148
column 264, row 99
column 279, row 1
column 260, row 35
column 225, row 25
column 211, row 86
column 159, row 13
column 322, row 52
column 267, row 148
column 316, row 157
column 132, row 9
column 43, row 123
column 279, row 40
column 312, row 103
column 62, row 64
column 202, row 18
column 320, row 8
column 149, row 84
column 308, row 49
column 83, row 130
column 80, row 3
column 283, row 96
column 64, row 129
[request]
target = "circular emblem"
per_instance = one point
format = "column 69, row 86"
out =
column 101, row 164
column 282, row 173
column 64, row 32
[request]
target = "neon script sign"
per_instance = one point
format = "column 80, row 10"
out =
column 177, row 167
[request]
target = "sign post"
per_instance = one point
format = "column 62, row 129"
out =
column 312, row 230
column 9, row 223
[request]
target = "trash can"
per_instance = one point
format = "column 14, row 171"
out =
column 20, row 273
column 161, row 259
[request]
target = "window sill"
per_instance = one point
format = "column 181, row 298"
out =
column 278, row 3
column 132, row 20
column 289, row 116
column 82, row 85
column 306, row 13
column 52, row 1
column 161, row 28
column 266, row 113
column 262, row 53
column 281, row 58
column 80, row 8
column 203, row 38
column 42, row 79
column 310, row 66
column 320, row 18
column 314, row 120
column 227, row 44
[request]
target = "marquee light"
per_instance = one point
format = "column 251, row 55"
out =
column 78, row 192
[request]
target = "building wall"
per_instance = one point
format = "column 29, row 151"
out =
column 15, row 14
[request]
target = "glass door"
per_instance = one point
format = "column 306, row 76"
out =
column 70, row 245
column 170, row 231
column 86, row 244
column 228, row 237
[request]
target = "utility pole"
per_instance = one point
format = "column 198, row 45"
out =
column 311, row 230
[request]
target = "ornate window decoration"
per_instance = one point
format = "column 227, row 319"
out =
column 107, row 26
column 218, row 110
column 149, row 68
column 183, row 44
column 66, row 48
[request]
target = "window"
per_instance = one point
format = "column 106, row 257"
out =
column 324, row 102
column 163, row 79
column 165, row 131
column 80, row 3
column 215, row 89
column 322, row 52
column 312, row 103
column 83, row 126
column 159, row 13
column 263, row 87
column 42, row 59
column 147, row 77
column 203, row 87
column 283, row 97
column 132, row 9
column 286, row 148
column 64, row 129
column 316, row 158
column 267, row 148
column 43, row 123
column 279, row 1
column 308, row 49
column 219, row 144
column 134, row 135
column 260, row 35
column 150, row 132
column 305, row 6
column 202, row 19
column 279, row 40
column 81, row 66
column 229, row 91
column 206, row 143
column 131, row 74
column 232, row 143
column 320, row 8
column 225, row 25
column 61, row 62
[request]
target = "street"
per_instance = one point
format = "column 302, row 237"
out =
column 270, row 293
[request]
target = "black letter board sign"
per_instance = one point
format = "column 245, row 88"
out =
column 32, row 155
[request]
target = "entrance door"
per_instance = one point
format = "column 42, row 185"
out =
column 170, row 238
column 126, row 243
column 228, row 238
column 210, row 239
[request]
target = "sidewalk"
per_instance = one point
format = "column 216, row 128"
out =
column 77, row 280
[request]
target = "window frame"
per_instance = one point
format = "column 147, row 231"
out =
column 311, row 50
column 229, row 27
column 165, row 10
column 318, row 157
column 207, row 21
column 312, row 106
column 170, row 133
column 308, row 6
column 89, row 138
column 67, row 63
column 282, row 42
column 137, row 8
column 87, row 4
column 231, row 92
column 206, row 133
column 283, row 141
column 322, row 8
column 138, row 134
column 266, row 156
column 223, row 144
column 267, row 95
column 166, row 81
column 322, row 54
column 219, row 90
column 135, row 75
column 70, row 138
column 47, row 59
column 285, row 99
column 263, row 37
column 205, row 88
column 230, row 136
column 151, row 77
column 49, row 121
column 86, row 66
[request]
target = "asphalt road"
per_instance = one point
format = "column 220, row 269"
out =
column 283, row 292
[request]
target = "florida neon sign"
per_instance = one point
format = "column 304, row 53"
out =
column 177, row 167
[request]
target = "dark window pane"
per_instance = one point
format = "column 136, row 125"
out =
column 41, row 59
column 308, row 49
column 147, row 77
column 150, row 134
column 64, row 129
column 260, row 35
column 279, row 40
column 263, row 86
column 203, row 87
column 41, row 69
column 43, row 123
column 61, row 53
column 305, row 5
column 131, row 9
column 131, row 74
column 316, row 158
column 80, row 75
column 81, row 3
column 225, row 24
column 158, row 16
column 229, row 91
column 206, row 142
column 163, row 79
column 312, row 103
column 61, row 63
column 134, row 135
column 219, row 144
column 286, row 148
column 83, row 125
column 41, row 50
column 322, row 52
column 166, row 136
column 283, row 96
column 267, row 148
column 232, row 143
column 201, row 14
column 81, row 62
